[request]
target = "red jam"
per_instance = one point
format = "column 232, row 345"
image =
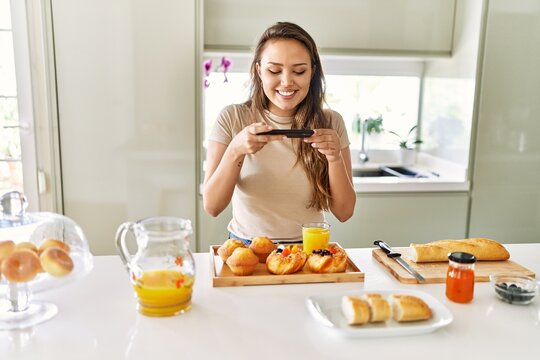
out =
column 460, row 277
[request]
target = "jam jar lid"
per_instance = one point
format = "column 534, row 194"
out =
column 462, row 257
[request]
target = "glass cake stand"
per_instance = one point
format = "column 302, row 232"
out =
column 17, row 309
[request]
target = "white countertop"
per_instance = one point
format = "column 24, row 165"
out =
column 97, row 320
column 440, row 175
column 395, row 185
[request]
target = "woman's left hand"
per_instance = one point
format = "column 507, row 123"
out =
column 326, row 141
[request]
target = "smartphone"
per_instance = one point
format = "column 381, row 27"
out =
column 290, row 133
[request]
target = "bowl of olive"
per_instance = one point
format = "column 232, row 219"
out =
column 514, row 289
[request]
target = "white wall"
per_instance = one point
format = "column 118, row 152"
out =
column 126, row 101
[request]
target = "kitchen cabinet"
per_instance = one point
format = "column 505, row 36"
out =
column 398, row 218
column 402, row 218
column 420, row 27
column 505, row 185
column 126, row 107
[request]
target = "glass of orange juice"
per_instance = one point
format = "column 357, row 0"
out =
column 315, row 236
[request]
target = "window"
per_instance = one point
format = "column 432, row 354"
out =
column 219, row 94
column 11, row 174
column 394, row 98
column 354, row 87
column 18, row 169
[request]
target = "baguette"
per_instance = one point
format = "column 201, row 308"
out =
column 409, row 308
column 379, row 307
column 355, row 310
column 482, row 248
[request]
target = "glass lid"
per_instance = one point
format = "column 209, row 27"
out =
column 38, row 252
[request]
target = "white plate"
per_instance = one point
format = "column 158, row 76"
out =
column 327, row 310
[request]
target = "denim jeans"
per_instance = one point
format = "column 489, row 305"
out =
column 245, row 241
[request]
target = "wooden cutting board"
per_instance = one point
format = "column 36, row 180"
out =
column 435, row 272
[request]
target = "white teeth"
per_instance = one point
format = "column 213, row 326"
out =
column 285, row 93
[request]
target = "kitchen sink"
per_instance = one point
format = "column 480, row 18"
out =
column 370, row 173
column 384, row 171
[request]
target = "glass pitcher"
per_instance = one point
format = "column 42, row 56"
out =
column 162, row 271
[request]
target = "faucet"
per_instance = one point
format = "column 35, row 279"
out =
column 362, row 155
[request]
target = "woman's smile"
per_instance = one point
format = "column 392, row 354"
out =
column 288, row 94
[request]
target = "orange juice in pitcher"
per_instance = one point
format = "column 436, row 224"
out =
column 163, row 292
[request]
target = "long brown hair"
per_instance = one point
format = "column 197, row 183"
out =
column 309, row 113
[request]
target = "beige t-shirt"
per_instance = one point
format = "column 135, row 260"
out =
column 273, row 191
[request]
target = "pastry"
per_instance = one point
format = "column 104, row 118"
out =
column 56, row 261
column 242, row 261
column 262, row 247
column 409, row 308
column 330, row 260
column 53, row 243
column 286, row 260
column 483, row 249
column 20, row 266
column 226, row 250
column 355, row 310
column 379, row 308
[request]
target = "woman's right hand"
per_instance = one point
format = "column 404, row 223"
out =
column 248, row 142
column 224, row 163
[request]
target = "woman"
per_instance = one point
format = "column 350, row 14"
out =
column 276, row 183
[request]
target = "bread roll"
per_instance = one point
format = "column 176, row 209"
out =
column 262, row 247
column 483, row 249
column 6, row 247
column 20, row 266
column 26, row 245
column 228, row 247
column 379, row 308
column 53, row 243
column 355, row 310
column 409, row 308
column 242, row 261
column 56, row 261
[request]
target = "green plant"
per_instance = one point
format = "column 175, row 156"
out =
column 373, row 126
column 407, row 142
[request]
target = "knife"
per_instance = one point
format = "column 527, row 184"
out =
column 397, row 257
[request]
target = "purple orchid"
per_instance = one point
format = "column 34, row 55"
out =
column 225, row 64
column 207, row 65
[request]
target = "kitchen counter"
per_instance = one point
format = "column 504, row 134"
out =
column 97, row 320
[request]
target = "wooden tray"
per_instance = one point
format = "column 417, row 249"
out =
column 435, row 272
column 223, row 276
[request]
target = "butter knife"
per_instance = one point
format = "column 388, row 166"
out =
column 397, row 257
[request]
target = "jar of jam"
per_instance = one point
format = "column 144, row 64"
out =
column 460, row 277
